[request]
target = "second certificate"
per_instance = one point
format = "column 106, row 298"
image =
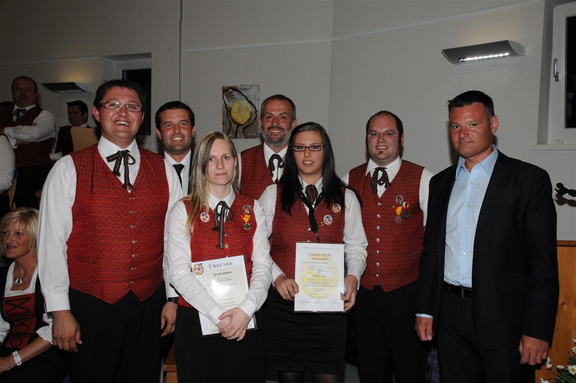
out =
column 319, row 273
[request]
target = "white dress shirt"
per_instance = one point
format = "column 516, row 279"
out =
column 42, row 128
column 355, row 241
column 179, row 257
column 187, row 162
column 56, row 220
column 392, row 169
column 44, row 332
column 7, row 161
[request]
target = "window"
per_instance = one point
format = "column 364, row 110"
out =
column 562, row 106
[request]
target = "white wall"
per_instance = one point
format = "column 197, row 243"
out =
column 339, row 60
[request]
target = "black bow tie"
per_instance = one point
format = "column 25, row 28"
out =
column 380, row 177
column 222, row 213
column 122, row 156
column 271, row 167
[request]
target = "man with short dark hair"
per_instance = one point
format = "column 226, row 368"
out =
column 262, row 165
column 394, row 195
column 176, row 129
column 31, row 131
column 78, row 117
column 101, row 244
column 488, row 271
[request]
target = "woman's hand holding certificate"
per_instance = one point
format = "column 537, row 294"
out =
column 233, row 324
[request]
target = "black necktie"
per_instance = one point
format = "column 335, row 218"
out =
column 179, row 168
column 18, row 113
column 380, row 177
column 271, row 167
column 122, row 156
column 222, row 213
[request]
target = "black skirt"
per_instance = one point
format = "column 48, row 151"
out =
column 300, row 342
column 214, row 359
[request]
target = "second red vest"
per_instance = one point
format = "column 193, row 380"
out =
column 287, row 230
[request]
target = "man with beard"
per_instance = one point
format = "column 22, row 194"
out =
column 263, row 164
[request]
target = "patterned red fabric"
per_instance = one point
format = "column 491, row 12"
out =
column 116, row 245
column 33, row 153
column 255, row 175
column 395, row 233
column 238, row 239
column 287, row 230
column 19, row 311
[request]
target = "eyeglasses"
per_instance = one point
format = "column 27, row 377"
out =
column 115, row 105
column 312, row 148
column 378, row 134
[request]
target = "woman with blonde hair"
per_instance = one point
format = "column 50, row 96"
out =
column 26, row 352
column 215, row 222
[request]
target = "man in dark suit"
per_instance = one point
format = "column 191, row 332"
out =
column 175, row 128
column 488, row 284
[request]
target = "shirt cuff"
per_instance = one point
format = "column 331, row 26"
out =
column 57, row 302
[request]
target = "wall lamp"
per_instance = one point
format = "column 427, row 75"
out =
column 68, row 87
column 482, row 52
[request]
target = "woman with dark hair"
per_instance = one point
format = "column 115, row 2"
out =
column 26, row 352
column 309, row 204
column 215, row 222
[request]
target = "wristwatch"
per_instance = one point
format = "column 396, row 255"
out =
column 172, row 299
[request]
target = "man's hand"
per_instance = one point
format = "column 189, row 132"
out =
column 65, row 331
column 236, row 327
column 168, row 318
column 287, row 287
column 351, row 284
column 424, row 328
column 533, row 351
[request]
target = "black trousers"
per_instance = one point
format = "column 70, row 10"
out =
column 387, row 342
column 120, row 342
column 462, row 359
column 214, row 359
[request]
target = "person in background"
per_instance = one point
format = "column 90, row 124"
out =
column 78, row 117
column 101, row 245
column 175, row 127
column 26, row 352
column 263, row 164
column 309, row 204
column 488, row 283
column 31, row 131
column 394, row 195
column 214, row 222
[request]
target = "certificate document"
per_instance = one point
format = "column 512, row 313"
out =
column 226, row 282
column 319, row 273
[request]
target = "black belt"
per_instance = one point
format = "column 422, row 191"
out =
column 462, row 292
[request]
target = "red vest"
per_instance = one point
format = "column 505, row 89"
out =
column 255, row 175
column 238, row 239
column 33, row 153
column 395, row 231
column 116, row 244
column 287, row 230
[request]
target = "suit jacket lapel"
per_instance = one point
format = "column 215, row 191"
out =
column 494, row 195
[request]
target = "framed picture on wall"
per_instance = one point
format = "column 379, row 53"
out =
column 240, row 111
